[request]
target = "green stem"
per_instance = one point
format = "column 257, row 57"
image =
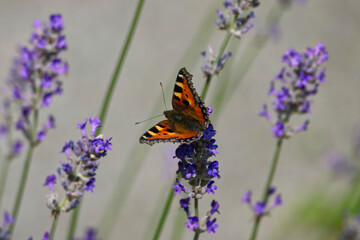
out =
column 267, row 186
column 226, row 88
column 220, row 53
column 165, row 211
column 109, row 93
column 197, row 234
column 73, row 222
column 120, row 62
column 3, row 176
column 25, row 173
column 6, row 163
column 21, row 188
column 196, row 208
column 54, row 224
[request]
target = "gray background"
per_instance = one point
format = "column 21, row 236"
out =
column 95, row 31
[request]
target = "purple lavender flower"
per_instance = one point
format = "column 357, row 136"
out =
column 234, row 11
column 247, row 197
column 214, row 169
column 90, row 234
column 210, row 187
column 184, row 204
column 17, row 147
column 210, row 67
column 89, row 186
column 192, row 223
column 178, row 187
column 211, row 225
column 77, row 174
column 261, row 207
column 46, row 236
column 50, row 181
column 197, row 169
column 7, row 220
column 298, row 81
column 214, row 207
column 34, row 78
column 56, row 22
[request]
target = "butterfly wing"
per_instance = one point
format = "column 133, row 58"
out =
column 186, row 99
column 164, row 131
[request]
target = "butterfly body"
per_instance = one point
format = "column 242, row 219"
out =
column 186, row 122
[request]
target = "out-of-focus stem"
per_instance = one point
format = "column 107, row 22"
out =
column 165, row 211
column 267, row 186
column 109, row 93
column 219, row 55
column 54, row 224
column 25, row 172
column 135, row 159
column 3, row 176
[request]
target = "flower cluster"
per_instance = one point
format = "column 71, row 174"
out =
column 298, row 81
column 195, row 168
column 235, row 12
column 34, row 76
column 211, row 68
column 261, row 208
column 193, row 223
column 4, row 232
column 77, row 173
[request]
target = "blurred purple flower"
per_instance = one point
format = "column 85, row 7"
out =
column 77, row 174
column 261, row 207
column 298, row 81
column 235, row 11
column 50, row 181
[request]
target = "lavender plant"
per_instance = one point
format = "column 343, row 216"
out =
column 234, row 19
column 236, row 22
column 77, row 173
column 232, row 78
column 196, row 168
column 340, row 206
column 110, row 91
column 291, row 88
column 33, row 82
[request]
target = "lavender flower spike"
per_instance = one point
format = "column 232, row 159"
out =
column 198, row 171
column 234, row 19
column 293, row 86
column 210, row 67
column 77, row 173
column 34, row 78
column 262, row 208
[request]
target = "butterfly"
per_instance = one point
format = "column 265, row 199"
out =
column 186, row 122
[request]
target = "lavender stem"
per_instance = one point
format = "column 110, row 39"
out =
column 267, row 186
column 25, row 173
column 54, row 224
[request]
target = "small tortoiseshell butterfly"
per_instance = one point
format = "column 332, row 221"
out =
column 186, row 122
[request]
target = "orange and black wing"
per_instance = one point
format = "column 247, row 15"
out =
column 186, row 99
column 165, row 132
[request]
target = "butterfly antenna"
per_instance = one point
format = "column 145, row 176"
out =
column 148, row 119
column 162, row 89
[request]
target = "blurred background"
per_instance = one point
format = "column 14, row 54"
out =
column 171, row 35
